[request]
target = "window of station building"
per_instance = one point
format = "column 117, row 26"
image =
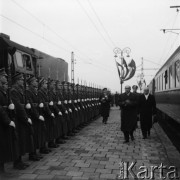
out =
column 177, row 73
column 19, row 60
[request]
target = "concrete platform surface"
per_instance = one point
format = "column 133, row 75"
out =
column 98, row 152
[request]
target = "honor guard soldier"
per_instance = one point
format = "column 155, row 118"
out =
column 24, row 122
column 9, row 150
column 36, row 116
column 48, row 115
column 68, row 109
column 58, row 114
column 63, row 110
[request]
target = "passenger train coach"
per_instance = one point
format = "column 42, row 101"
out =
column 166, row 88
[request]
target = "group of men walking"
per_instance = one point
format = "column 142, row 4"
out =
column 135, row 106
column 40, row 115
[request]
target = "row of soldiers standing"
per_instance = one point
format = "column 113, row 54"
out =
column 41, row 116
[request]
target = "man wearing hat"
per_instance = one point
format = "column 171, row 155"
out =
column 147, row 109
column 8, row 130
column 128, row 103
column 57, row 112
column 48, row 115
column 24, row 123
column 135, row 88
column 36, row 115
column 63, row 110
column 105, row 105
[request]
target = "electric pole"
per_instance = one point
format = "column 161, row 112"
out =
column 142, row 74
column 72, row 67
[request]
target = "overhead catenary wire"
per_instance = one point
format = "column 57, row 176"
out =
column 94, row 25
column 165, row 47
column 82, row 54
column 51, row 42
column 100, row 22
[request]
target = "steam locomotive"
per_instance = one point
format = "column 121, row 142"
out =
column 37, row 63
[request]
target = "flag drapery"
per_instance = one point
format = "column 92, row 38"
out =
column 125, row 71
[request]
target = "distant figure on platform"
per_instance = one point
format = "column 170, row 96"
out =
column 105, row 105
column 147, row 109
column 128, row 103
column 135, row 88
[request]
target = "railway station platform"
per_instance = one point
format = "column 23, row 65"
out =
column 98, row 152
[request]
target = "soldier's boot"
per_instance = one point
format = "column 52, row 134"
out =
column 60, row 141
column 44, row 150
column 33, row 157
column 2, row 170
column 65, row 137
column 51, row 144
column 18, row 164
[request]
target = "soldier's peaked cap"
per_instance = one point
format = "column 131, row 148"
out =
column 2, row 72
column 42, row 80
column 17, row 76
column 30, row 79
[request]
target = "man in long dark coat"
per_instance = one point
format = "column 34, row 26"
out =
column 135, row 88
column 8, row 132
column 128, row 103
column 36, row 115
column 105, row 105
column 24, row 123
column 147, row 108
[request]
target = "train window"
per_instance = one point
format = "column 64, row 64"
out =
column 170, row 77
column 177, row 73
column 165, row 79
column 19, row 59
column 27, row 62
column 162, row 77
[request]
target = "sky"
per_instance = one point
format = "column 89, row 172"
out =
column 92, row 29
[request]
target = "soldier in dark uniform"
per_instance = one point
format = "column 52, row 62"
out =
column 128, row 103
column 105, row 105
column 36, row 116
column 24, row 122
column 8, row 131
column 63, row 110
column 48, row 115
column 147, row 109
column 58, row 114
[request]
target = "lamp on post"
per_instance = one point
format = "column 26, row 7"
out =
column 120, row 54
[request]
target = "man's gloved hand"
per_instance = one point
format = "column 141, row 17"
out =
column 41, row 105
column 41, row 118
column 51, row 103
column 60, row 113
column 12, row 124
column 52, row 115
column 28, row 106
column 29, row 121
column 11, row 106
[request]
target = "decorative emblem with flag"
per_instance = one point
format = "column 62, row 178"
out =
column 125, row 71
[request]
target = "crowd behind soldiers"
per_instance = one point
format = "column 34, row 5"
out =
column 39, row 117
